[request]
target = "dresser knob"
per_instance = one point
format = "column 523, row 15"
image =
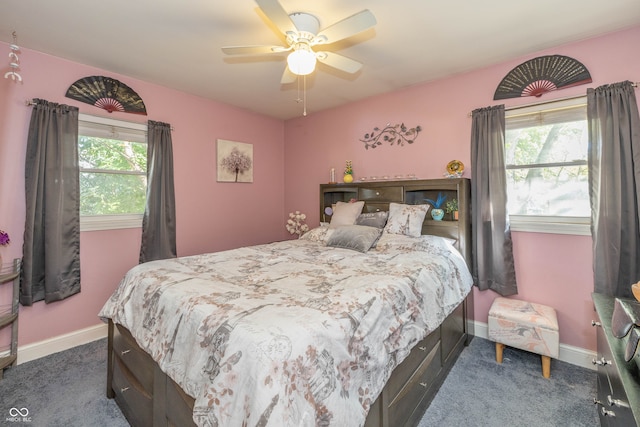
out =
column 594, row 323
column 601, row 362
column 606, row 413
column 423, row 385
column 617, row 402
column 423, row 348
column 123, row 389
column 377, row 193
column 123, row 352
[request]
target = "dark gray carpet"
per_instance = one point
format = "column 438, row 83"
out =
column 480, row 392
column 68, row 389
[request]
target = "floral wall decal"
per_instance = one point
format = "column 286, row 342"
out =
column 397, row 134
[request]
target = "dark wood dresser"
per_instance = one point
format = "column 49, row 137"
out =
column 618, row 385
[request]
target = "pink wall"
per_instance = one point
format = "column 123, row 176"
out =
column 555, row 270
column 211, row 216
column 552, row 269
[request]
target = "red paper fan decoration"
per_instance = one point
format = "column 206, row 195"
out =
column 541, row 75
column 107, row 93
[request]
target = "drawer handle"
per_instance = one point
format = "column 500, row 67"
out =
column 123, row 389
column 606, row 413
column 377, row 193
column 617, row 402
column 594, row 323
column 423, row 385
column 601, row 362
column 423, row 348
column 377, row 209
column 123, row 352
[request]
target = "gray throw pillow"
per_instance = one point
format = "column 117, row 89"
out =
column 355, row 237
column 373, row 219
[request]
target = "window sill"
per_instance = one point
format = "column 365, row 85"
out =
column 110, row 222
column 580, row 226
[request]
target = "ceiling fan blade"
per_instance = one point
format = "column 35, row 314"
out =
column 340, row 62
column 348, row 27
column 276, row 14
column 288, row 77
column 253, row 50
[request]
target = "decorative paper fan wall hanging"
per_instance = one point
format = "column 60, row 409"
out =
column 541, row 75
column 108, row 94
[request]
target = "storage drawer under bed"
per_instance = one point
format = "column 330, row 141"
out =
column 137, row 362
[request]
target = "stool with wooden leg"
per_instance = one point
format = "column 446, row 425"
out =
column 526, row 326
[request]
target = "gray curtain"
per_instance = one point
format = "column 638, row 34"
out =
column 159, row 221
column 614, row 176
column 493, row 266
column 51, row 251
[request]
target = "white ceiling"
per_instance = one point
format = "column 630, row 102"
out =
column 176, row 43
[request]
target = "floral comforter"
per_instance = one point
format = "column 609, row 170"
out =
column 291, row 333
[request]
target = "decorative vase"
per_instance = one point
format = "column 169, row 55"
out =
column 347, row 178
column 437, row 214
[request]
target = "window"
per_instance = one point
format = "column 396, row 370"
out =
column 546, row 164
column 113, row 182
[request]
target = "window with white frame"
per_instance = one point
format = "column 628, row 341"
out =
column 112, row 157
column 546, row 164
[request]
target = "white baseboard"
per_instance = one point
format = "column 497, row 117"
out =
column 49, row 346
column 568, row 353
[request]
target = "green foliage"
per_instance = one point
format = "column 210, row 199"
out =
column 546, row 169
column 112, row 176
column 451, row 205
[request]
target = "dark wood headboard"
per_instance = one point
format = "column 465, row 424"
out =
column 378, row 194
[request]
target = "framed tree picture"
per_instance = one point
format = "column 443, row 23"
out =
column 235, row 161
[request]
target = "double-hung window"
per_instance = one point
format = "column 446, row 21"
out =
column 546, row 164
column 113, row 163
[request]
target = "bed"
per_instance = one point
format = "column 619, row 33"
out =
column 300, row 332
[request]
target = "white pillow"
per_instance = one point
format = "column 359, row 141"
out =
column 406, row 219
column 345, row 213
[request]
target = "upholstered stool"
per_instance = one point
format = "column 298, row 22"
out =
column 527, row 326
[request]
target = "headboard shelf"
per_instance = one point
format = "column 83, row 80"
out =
column 377, row 196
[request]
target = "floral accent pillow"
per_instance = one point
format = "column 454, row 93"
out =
column 406, row 219
column 345, row 213
column 424, row 243
column 318, row 234
column 355, row 237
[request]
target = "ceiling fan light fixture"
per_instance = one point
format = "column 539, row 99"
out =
column 302, row 60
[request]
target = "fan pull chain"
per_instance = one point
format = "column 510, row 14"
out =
column 304, row 96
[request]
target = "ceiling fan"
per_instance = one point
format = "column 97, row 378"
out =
column 303, row 36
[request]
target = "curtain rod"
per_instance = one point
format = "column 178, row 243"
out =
column 535, row 104
column 30, row 102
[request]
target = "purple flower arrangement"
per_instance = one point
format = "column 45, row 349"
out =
column 4, row 238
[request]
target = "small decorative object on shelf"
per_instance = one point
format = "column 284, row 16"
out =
column 455, row 169
column 451, row 207
column 437, row 212
column 296, row 223
column 332, row 176
column 348, row 173
column 4, row 241
column 397, row 134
